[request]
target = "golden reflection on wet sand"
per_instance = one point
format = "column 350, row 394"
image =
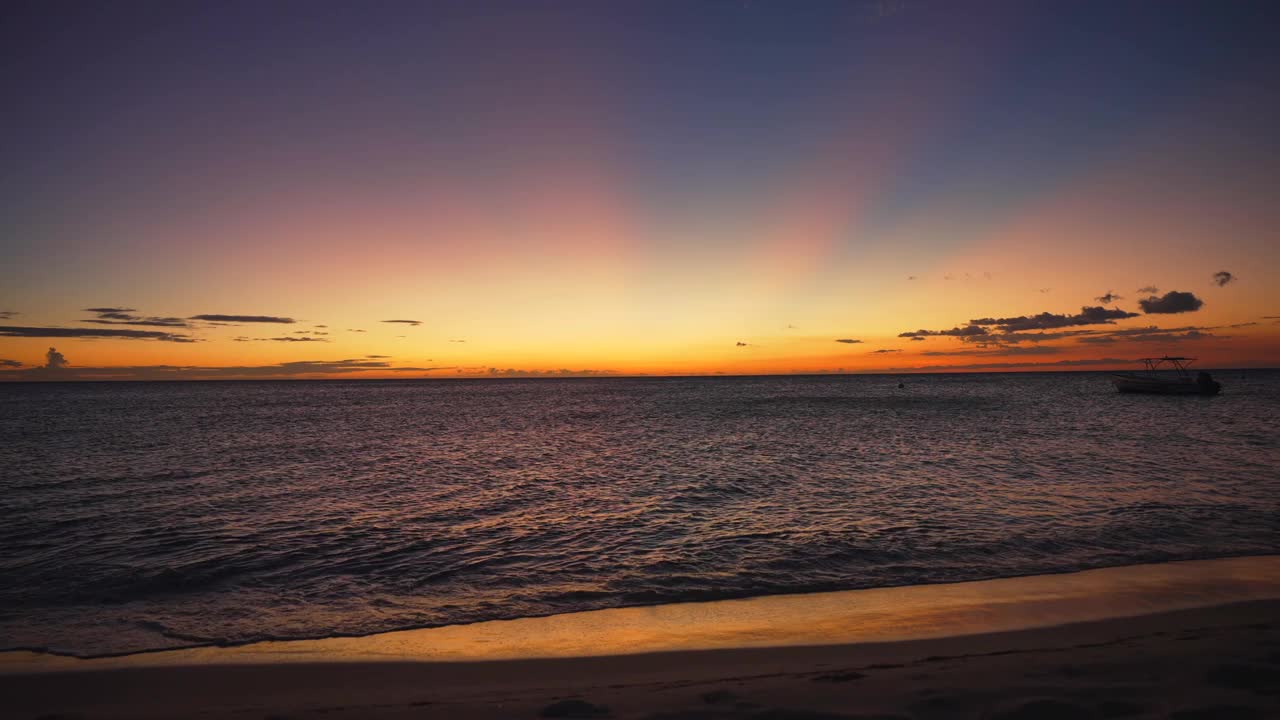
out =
column 853, row 616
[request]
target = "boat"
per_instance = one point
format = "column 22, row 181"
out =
column 1167, row 376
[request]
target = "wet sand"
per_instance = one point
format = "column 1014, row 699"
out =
column 1183, row 640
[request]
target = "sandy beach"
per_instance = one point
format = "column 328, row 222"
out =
column 1168, row 641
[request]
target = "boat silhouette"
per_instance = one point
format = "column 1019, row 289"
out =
column 1167, row 376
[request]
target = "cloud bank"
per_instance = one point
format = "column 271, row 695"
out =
column 1006, row 329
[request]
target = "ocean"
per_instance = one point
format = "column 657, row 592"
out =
column 141, row 516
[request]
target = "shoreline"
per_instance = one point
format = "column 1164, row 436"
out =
column 846, row 617
column 1221, row 661
column 225, row 645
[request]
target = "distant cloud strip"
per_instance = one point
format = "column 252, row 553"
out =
column 1009, row 365
column 1151, row 333
column 244, row 319
column 414, row 323
column 188, row 372
column 562, row 372
column 56, row 332
column 125, row 316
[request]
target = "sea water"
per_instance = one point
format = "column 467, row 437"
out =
column 138, row 516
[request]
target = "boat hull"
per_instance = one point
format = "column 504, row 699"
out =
column 1161, row 386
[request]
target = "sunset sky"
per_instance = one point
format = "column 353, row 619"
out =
column 246, row 189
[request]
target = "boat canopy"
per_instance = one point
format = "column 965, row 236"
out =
column 1179, row 364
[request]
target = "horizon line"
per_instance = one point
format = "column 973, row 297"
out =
column 619, row 376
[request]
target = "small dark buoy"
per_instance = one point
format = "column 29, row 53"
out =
column 901, row 385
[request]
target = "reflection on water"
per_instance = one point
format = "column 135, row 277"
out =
column 162, row 515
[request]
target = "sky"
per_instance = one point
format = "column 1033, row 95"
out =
column 321, row 189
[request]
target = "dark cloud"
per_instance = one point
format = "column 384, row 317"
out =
column 1047, row 321
column 378, row 357
column 884, row 350
column 10, row 363
column 7, row 314
column 54, row 360
column 19, row 331
column 959, row 332
column 1044, row 290
column 414, row 323
column 1171, row 302
column 848, row 341
column 1108, row 297
column 911, row 277
column 353, row 330
column 322, row 327
column 916, row 337
column 742, row 344
column 244, row 319
column 1222, row 277
column 110, row 310
column 143, row 322
column 1148, row 290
